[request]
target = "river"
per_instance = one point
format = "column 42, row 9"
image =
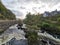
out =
column 11, row 33
column 15, row 36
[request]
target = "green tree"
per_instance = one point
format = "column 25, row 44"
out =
column 51, row 24
column 32, row 21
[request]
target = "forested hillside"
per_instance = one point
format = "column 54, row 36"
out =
column 5, row 14
column 51, row 24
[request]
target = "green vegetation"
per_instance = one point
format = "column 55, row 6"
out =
column 32, row 21
column 50, row 28
column 32, row 38
column 38, row 22
column 6, row 14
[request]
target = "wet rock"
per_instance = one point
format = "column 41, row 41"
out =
column 17, row 42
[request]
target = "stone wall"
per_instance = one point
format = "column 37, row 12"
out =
column 5, row 24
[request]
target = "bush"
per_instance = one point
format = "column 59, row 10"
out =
column 32, row 38
column 52, row 29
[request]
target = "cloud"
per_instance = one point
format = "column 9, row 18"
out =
column 22, row 7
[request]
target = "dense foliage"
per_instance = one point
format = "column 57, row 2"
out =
column 32, row 38
column 32, row 21
column 6, row 14
column 38, row 22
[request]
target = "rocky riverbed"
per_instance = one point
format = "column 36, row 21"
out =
column 12, row 32
column 15, row 36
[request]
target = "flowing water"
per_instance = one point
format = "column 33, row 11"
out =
column 15, row 36
column 12, row 32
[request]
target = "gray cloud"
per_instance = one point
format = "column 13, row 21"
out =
column 18, row 13
column 21, row 7
column 54, row 2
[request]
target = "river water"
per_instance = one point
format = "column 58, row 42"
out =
column 15, row 36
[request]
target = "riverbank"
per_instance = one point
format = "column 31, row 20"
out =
column 15, row 35
column 11, row 33
column 5, row 24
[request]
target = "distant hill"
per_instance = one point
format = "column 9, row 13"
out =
column 55, row 12
column 6, row 14
column 50, row 23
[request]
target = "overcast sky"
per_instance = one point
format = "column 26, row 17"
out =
column 22, row 7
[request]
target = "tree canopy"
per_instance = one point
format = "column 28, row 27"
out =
column 38, row 22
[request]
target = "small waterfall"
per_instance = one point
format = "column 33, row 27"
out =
column 51, row 40
column 48, row 42
column 15, row 36
column 12, row 32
